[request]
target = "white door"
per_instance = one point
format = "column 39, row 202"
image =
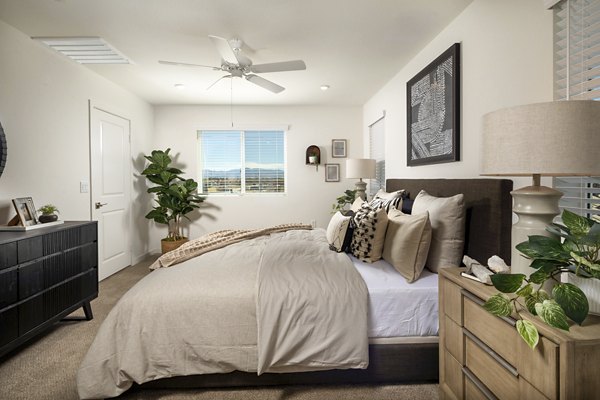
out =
column 111, row 189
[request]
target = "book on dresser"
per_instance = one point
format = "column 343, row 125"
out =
column 483, row 357
column 45, row 275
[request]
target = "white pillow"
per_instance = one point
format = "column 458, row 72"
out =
column 369, row 233
column 383, row 199
column 358, row 202
column 338, row 232
column 447, row 217
column 407, row 242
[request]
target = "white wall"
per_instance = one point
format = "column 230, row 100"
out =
column 44, row 111
column 506, row 60
column 308, row 198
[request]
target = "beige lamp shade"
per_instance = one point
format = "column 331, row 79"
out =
column 559, row 138
column 360, row 168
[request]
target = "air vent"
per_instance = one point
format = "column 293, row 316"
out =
column 85, row 50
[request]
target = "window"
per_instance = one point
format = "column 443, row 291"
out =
column 377, row 152
column 577, row 77
column 242, row 162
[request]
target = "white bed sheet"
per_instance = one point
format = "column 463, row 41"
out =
column 398, row 308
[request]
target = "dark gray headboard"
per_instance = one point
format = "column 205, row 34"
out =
column 489, row 214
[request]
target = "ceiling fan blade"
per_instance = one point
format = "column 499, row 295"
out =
column 215, row 82
column 186, row 64
column 224, row 49
column 295, row 65
column 262, row 82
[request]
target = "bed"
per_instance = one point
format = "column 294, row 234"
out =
column 396, row 356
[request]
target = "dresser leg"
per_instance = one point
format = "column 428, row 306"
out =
column 87, row 309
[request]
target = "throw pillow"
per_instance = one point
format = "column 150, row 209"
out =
column 383, row 199
column 339, row 232
column 369, row 233
column 447, row 217
column 358, row 202
column 407, row 243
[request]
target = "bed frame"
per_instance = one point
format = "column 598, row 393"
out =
column 488, row 226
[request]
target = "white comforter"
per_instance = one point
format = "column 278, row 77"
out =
column 281, row 303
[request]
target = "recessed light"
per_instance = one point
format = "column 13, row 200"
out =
column 324, row 87
column 179, row 86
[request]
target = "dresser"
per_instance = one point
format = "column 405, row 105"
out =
column 45, row 274
column 483, row 357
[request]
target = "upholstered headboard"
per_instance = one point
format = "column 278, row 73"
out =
column 489, row 215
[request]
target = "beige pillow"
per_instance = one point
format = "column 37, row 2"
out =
column 407, row 242
column 447, row 217
column 369, row 233
column 338, row 233
column 358, row 202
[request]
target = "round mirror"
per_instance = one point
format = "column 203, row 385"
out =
column 3, row 150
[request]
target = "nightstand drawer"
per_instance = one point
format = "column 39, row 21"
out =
column 453, row 340
column 540, row 367
column 503, row 338
column 503, row 383
column 454, row 376
column 452, row 301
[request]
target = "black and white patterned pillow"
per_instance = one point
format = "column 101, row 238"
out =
column 339, row 231
column 383, row 199
column 370, row 224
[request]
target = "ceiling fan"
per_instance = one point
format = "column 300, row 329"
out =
column 236, row 64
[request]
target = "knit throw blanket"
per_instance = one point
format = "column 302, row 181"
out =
column 217, row 240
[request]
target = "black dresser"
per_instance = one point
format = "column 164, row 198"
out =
column 45, row 274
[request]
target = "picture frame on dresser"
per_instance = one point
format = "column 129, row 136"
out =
column 25, row 211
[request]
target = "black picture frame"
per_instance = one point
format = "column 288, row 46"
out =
column 433, row 111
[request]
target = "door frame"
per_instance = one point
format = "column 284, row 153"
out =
column 92, row 104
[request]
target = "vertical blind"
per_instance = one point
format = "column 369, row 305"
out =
column 238, row 162
column 577, row 77
column 377, row 152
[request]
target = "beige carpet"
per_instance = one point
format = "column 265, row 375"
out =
column 45, row 367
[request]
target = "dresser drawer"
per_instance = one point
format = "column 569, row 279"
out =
column 453, row 376
column 528, row 392
column 452, row 299
column 540, row 367
column 474, row 389
column 504, row 338
column 503, row 383
column 453, row 339
column 8, row 287
column 8, row 255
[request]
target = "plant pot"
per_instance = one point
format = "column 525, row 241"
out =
column 591, row 288
column 45, row 218
column 168, row 245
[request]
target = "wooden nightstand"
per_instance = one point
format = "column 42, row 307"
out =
column 483, row 356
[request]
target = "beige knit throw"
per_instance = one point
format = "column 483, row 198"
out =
column 217, row 240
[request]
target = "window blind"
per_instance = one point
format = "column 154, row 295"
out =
column 577, row 77
column 238, row 162
column 377, row 152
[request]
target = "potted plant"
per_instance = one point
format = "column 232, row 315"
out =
column 48, row 213
column 175, row 197
column 345, row 199
column 573, row 250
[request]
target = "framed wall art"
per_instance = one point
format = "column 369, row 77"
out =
column 332, row 172
column 433, row 111
column 338, row 148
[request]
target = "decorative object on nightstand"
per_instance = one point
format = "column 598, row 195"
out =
column 359, row 168
column 558, row 138
column 313, row 156
column 338, row 148
column 48, row 213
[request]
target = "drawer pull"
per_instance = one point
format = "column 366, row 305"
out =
column 480, row 302
column 484, row 390
column 491, row 353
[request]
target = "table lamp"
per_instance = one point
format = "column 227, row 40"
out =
column 360, row 168
column 559, row 138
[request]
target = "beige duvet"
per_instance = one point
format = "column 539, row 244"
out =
column 279, row 303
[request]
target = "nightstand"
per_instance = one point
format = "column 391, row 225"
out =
column 483, row 357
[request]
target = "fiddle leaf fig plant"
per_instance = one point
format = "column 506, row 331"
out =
column 341, row 202
column 574, row 249
column 175, row 196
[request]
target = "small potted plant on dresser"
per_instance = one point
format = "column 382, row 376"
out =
column 48, row 213
column 175, row 197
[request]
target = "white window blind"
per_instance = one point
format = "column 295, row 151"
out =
column 577, row 77
column 377, row 152
column 239, row 162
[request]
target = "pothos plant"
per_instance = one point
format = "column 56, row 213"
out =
column 175, row 196
column 575, row 249
column 341, row 202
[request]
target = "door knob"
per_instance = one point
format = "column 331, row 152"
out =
column 98, row 204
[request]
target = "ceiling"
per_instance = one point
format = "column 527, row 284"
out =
column 354, row 46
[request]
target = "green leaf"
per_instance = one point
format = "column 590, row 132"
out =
column 507, row 283
column 528, row 332
column 548, row 248
column 538, row 277
column 552, row 314
column 533, row 298
column 547, row 265
column 525, row 290
column 576, row 223
column 499, row 305
column 572, row 300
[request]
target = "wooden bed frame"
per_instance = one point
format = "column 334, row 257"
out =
column 488, row 226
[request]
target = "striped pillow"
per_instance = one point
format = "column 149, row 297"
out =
column 383, row 199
